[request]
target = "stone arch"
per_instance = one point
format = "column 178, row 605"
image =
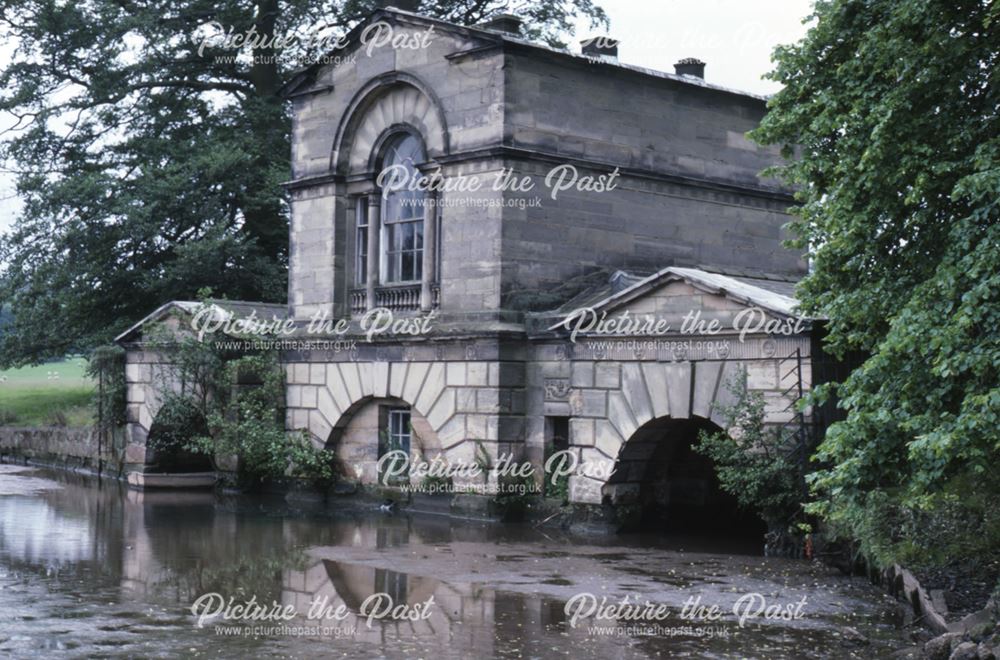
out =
column 693, row 390
column 391, row 100
column 660, row 483
column 172, row 423
column 346, row 387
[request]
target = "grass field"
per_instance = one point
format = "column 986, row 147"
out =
column 50, row 393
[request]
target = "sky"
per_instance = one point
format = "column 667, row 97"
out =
column 734, row 37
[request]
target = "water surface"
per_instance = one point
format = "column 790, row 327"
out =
column 92, row 569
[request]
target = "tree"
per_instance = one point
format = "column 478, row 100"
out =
column 890, row 113
column 756, row 464
column 150, row 167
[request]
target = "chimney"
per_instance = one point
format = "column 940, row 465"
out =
column 690, row 66
column 506, row 23
column 601, row 48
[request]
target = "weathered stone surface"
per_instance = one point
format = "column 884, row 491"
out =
column 455, row 373
column 634, row 389
column 679, row 389
column 350, row 377
column 477, row 374
column 965, row 651
column 319, row 427
column 465, row 399
column 397, row 378
column 433, row 385
column 621, row 415
column 308, row 396
column 706, row 379
column 380, row 379
column 442, row 410
column 339, row 393
column 414, row 380
column 656, row 382
column 328, row 406
column 584, row 490
column 607, row 439
column 581, row 432
column 582, row 374
column 940, row 647
column 606, row 374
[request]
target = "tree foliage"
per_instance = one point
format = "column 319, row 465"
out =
column 150, row 167
column 755, row 464
column 890, row 109
column 247, row 420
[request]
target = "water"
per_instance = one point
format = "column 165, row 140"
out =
column 95, row 570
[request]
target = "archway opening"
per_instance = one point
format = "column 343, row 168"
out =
column 373, row 433
column 176, row 423
column 662, row 485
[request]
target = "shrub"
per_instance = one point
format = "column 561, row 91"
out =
column 754, row 464
column 247, row 420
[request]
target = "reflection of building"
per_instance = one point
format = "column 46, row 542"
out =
column 671, row 220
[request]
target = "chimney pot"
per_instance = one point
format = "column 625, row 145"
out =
column 506, row 23
column 690, row 66
column 604, row 48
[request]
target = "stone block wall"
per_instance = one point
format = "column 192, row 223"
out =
column 58, row 446
column 608, row 400
column 149, row 375
column 456, row 405
column 689, row 192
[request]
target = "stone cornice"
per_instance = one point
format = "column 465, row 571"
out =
column 525, row 154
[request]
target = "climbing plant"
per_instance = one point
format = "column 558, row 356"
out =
column 106, row 366
column 234, row 402
column 246, row 418
column 753, row 462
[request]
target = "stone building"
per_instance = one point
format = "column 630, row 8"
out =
column 533, row 182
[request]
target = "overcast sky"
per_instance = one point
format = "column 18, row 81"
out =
column 734, row 37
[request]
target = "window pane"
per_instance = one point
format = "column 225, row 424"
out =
column 361, row 241
column 406, row 236
column 407, row 266
column 403, row 213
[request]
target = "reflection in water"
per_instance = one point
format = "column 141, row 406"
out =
column 94, row 569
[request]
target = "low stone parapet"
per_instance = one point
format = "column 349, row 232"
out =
column 59, row 446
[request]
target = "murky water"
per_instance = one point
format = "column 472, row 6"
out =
column 94, row 570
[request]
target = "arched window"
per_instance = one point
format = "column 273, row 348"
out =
column 402, row 211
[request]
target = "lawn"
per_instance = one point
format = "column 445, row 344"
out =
column 51, row 393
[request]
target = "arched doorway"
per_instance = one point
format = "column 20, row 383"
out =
column 177, row 421
column 662, row 485
column 374, row 426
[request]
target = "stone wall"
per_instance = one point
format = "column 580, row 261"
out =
column 59, row 446
column 456, row 403
column 689, row 191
